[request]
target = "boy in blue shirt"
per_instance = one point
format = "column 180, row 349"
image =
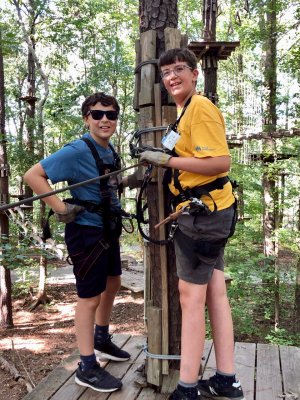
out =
column 92, row 233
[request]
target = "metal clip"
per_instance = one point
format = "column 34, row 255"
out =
column 173, row 229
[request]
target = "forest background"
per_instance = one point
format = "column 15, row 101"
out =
column 56, row 53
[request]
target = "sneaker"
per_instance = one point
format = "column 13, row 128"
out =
column 97, row 378
column 179, row 395
column 212, row 389
column 109, row 350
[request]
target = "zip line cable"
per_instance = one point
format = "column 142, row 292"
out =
column 63, row 189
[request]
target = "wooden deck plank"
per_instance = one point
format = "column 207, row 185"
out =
column 206, row 353
column 53, row 385
column 130, row 389
column 150, row 394
column 290, row 363
column 244, row 355
column 210, row 365
column 268, row 376
column 56, row 379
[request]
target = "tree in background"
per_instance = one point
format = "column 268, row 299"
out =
column 6, row 319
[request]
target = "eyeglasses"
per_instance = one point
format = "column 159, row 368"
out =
column 177, row 70
column 99, row 114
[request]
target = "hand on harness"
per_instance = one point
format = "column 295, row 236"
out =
column 69, row 214
column 157, row 158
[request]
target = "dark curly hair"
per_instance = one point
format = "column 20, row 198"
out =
column 99, row 97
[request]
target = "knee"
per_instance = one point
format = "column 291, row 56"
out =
column 89, row 304
column 113, row 284
column 192, row 296
column 216, row 298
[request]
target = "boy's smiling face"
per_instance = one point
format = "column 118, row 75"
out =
column 179, row 80
column 101, row 130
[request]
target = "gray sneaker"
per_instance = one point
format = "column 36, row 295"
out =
column 97, row 378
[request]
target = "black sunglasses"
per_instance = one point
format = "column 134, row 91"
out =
column 99, row 114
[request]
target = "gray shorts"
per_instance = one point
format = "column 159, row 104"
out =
column 199, row 244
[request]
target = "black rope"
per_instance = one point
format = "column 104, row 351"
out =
column 140, row 211
column 141, row 64
column 75, row 185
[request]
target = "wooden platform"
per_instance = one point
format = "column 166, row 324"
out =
column 267, row 372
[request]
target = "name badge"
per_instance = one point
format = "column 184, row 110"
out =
column 170, row 139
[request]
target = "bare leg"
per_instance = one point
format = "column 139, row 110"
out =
column 192, row 300
column 84, row 324
column 103, row 312
column 221, row 322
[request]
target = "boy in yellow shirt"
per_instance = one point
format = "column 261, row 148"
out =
column 200, row 163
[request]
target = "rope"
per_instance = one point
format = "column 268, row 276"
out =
column 141, row 64
column 75, row 185
column 160, row 356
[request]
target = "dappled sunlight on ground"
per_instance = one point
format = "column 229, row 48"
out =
column 43, row 338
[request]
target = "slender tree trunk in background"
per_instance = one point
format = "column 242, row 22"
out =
column 6, row 319
column 269, row 149
column 297, row 298
column 35, row 122
column 30, row 98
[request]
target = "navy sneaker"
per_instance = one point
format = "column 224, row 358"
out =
column 97, row 378
column 213, row 389
column 109, row 350
column 179, row 395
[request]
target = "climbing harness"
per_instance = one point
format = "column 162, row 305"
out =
column 195, row 205
column 102, row 208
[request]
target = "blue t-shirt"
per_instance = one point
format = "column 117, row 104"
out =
column 75, row 163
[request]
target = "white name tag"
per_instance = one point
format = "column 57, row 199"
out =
column 170, row 139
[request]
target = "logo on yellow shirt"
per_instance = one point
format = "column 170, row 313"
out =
column 204, row 148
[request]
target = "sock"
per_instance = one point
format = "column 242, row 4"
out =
column 87, row 362
column 189, row 389
column 225, row 379
column 101, row 333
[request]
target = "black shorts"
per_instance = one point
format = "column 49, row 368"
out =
column 199, row 244
column 93, row 261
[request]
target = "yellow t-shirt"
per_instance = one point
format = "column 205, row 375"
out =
column 202, row 134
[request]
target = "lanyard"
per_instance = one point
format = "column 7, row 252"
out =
column 175, row 125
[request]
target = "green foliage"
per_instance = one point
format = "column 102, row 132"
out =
column 283, row 337
column 84, row 46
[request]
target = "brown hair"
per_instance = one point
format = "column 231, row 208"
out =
column 99, row 97
column 173, row 55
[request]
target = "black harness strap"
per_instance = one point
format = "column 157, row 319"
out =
column 175, row 125
column 104, row 189
column 202, row 190
column 198, row 191
column 102, row 208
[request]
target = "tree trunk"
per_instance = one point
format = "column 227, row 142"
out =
column 42, row 297
column 297, row 298
column 210, row 62
column 269, row 149
column 156, row 16
column 6, row 319
column 34, row 113
column 30, row 100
